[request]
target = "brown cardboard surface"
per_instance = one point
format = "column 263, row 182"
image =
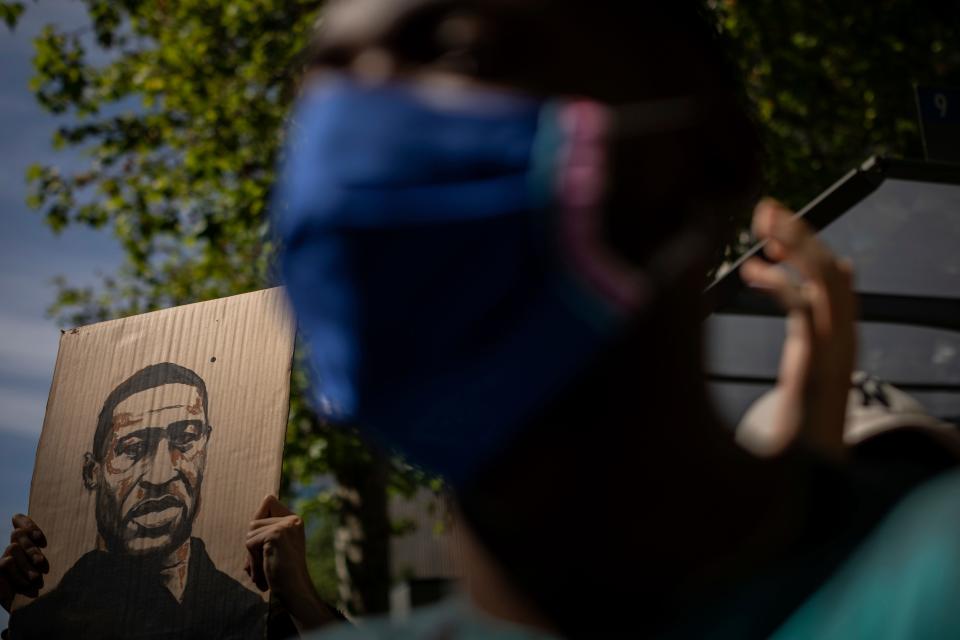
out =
column 241, row 347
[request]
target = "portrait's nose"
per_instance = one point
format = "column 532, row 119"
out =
column 162, row 466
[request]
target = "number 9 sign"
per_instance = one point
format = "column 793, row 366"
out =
column 939, row 109
column 940, row 102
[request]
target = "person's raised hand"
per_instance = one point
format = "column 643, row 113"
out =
column 277, row 560
column 820, row 345
column 23, row 564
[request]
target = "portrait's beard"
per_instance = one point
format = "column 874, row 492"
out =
column 134, row 534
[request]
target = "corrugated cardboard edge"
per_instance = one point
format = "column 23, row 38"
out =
column 45, row 435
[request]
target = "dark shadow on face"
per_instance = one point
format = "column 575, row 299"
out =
column 149, row 470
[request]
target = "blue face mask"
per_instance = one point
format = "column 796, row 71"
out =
column 441, row 249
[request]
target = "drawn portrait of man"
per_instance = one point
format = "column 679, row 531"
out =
column 148, row 575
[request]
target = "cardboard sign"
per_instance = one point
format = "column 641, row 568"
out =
column 163, row 432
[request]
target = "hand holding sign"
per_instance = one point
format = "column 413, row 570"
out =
column 23, row 564
column 819, row 350
column 278, row 561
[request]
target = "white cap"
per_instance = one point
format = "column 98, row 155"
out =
column 873, row 407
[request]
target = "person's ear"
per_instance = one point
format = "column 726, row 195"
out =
column 91, row 471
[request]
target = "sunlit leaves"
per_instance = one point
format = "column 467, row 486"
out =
column 180, row 117
column 833, row 83
column 62, row 79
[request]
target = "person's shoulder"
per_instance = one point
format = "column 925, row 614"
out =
column 452, row 618
column 903, row 580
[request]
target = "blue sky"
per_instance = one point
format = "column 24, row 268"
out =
column 31, row 256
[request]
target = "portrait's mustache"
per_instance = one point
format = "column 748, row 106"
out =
column 151, row 505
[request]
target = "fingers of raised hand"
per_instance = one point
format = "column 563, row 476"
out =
column 277, row 508
column 21, row 539
column 262, row 533
column 255, row 564
column 829, row 281
column 820, row 347
column 287, row 521
column 271, row 506
column 790, row 239
column 275, row 530
column 16, row 567
column 776, row 282
column 263, row 510
column 28, row 537
column 266, row 538
column 28, row 527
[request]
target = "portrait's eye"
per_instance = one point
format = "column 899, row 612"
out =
column 183, row 434
column 133, row 449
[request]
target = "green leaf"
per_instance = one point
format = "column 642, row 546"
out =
column 10, row 13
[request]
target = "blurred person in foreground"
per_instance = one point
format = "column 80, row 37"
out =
column 497, row 219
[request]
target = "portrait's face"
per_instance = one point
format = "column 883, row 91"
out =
column 148, row 482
